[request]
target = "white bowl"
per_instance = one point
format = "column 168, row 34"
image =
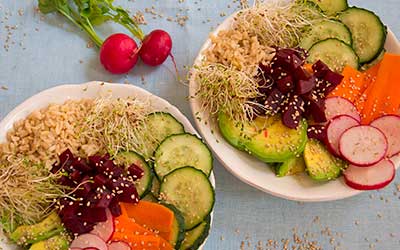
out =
column 62, row 93
column 256, row 173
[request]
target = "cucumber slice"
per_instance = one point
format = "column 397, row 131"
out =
column 334, row 53
column 320, row 164
column 182, row 150
column 190, row 191
column 161, row 125
column 374, row 62
column 143, row 185
column 324, row 30
column 331, row 7
column 292, row 166
column 155, row 187
column 178, row 227
column 368, row 32
column 150, row 197
column 195, row 237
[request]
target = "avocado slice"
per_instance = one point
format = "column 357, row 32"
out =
column 320, row 164
column 266, row 137
column 57, row 242
column 292, row 166
column 43, row 230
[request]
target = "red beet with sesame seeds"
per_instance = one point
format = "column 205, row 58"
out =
column 99, row 184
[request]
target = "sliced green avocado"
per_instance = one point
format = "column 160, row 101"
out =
column 43, row 230
column 320, row 164
column 58, row 242
column 267, row 138
column 291, row 166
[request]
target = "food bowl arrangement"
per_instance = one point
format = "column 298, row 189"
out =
column 294, row 101
column 103, row 166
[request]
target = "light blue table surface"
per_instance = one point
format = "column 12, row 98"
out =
column 45, row 52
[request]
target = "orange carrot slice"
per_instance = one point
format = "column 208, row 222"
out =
column 383, row 96
column 150, row 215
column 352, row 85
column 370, row 76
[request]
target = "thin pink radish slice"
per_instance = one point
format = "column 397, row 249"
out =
column 335, row 129
column 89, row 241
column 335, row 106
column 89, row 248
column 374, row 177
column 363, row 145
column 118, row 245
column 105, row 229
column 390, row 126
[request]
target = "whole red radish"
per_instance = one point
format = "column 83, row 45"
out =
column 156, row 47
column 119, row 53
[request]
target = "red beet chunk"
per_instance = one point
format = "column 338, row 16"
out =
column 81, row 165
column 65, row 181
column 76, row 176
column 135, row 172
column 100, row 180
column 293, row 112
column 285, row 84
column 332, row 81
column 320, row 69
column 66, row 160
column 68, row 208
column 93, row 215
column 77, row 226
column 305, row 86
column 316, row 107
column 301, row 74
column 103, row 199
column 84, row 190
column 129, row 194
column 114, row 207
column 95, row 161
column 317, row 132
column 274, row 101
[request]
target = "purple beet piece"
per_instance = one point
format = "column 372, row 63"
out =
column 316, row 107
column 320, row 69
column 289, row 59
column 116, row 171
column 77, row 226
column 300, row 74
column 305, row 86
column 332, row 80
column 68, row 208
column 293, row 112
column 65, row 181
column 100, row 180
column 106, row 157
column 66, row 159
column 83, row 190
column 55, row 168
column 106, row 167
column 285, row 84
column 76, row 176
column 81, row 165
column 279, row 73
column 95, row 161
column 114, row 207
column 135, row 172
column 93, row 215
column 103, row 199
column 115, row 184
column 317, row 132
column 129, row 194
column 273, row 102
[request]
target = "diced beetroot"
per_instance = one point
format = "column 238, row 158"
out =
column 95, row 161
column 301, row 74
column 75, row 225
column 65, row 181
column 332, row 80
column 81, row 165
column 116, row 171
column 93, row 215
column 278, row 73
column 135, row 172
column 106, row 167
column 100, row 180
column 273, row 102
column 55, row 168
column 293, row 112
column 114, row 207
column 285, row 84
column 289, row 59
column 68, row 208
column 316, row 107
column 317, row 132
column 320, row 69
column 83, row 190
column 305, row 86
column 129, row 194
column 103, row 199
column 76, row 176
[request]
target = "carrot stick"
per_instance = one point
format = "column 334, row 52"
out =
column 351, row 86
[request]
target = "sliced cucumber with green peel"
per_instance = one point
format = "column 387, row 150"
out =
column 368, row 32
column 324, row 30
column 143, row 185
column 320, row 164
column 150, row 197
column 178, row 227
column 334, row 53
column 291, row 166
column 195, row 237
column 331, row 7
column 161, row 125
column 190, row 191
column 182, row 150
column 155, row 187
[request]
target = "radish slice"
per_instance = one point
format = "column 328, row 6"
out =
column 335, row 106
column 335, row 129
column 89, row 241
column 118, row 245
column 363, row 145
column 88, row 248
column 390, row 126
column 105, row 229
column 374, row 177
